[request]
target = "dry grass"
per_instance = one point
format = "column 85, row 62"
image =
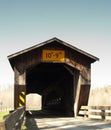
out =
column 100, row 96
column 6, row 97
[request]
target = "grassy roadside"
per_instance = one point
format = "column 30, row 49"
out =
column 3, row 113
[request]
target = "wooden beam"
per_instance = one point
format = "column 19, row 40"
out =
column 19, row 88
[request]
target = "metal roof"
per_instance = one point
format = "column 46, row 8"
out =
column 49, row 41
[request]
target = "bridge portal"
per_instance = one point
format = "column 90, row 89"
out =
column 56, row 70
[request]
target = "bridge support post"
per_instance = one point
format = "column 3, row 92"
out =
column 19, row 88
column 83, row 90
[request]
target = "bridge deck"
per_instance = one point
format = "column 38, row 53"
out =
column 62, row 123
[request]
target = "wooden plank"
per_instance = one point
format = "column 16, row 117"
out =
column 95, row 111
column 96, row 107
column 84, row 95
column 84, row 107
column 83, row 112
column 99, row 113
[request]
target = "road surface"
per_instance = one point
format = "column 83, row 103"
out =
column 65, row 124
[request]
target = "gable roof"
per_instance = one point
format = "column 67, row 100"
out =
column 49, row 41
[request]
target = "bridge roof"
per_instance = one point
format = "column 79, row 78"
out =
column 91, row 57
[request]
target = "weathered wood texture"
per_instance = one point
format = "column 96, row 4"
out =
column 73, row 59
column 33, row 58
column 96, row 112
column 82, row 97
column 19, row 87
column 30, row 69
column 14, row 120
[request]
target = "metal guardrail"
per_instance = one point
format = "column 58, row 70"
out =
column 14, row 120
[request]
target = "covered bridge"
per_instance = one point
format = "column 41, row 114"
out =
column 56, row 70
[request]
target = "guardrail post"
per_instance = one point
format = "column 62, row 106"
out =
column 103, row 114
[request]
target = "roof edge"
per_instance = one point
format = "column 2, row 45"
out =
column 30, row 48
column 49, row 41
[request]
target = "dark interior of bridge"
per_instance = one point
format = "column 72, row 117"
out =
column 54, row 82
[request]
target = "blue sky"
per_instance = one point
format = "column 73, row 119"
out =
column 85, row 24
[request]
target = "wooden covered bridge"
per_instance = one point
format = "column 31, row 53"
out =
column 56, row 70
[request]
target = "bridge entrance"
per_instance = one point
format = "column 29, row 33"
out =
column 55, row 83
column 56, row 70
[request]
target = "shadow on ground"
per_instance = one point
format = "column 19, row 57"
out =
column 30, row 122
column 41, row 120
